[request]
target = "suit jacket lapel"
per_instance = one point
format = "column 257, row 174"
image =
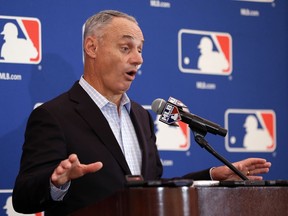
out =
column 90, row 112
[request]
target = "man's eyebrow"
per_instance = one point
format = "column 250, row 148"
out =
column 130, row 37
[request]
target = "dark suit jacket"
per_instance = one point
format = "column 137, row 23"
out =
column 72, row 123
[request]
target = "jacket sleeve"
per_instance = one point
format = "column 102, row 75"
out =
column 200, row 175
column 31, row 191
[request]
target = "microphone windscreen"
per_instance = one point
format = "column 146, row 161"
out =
column 158, row 105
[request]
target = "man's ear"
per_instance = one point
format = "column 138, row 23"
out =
column 90, row 46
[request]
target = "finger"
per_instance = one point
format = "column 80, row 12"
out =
column 265, row 165
column 73, row 158
column 57, row 175
column 254, row 161
column 259, row 171
column 59, row 172
column 66, row 164
column 259, row 168
column 93, row 167
column 63, row 167
column 257, row 178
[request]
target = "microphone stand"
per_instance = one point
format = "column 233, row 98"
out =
column 200, row 139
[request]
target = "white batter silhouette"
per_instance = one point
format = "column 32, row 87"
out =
column 16, row 49
column 169, row 137
column 255, row 138
column 209, row 60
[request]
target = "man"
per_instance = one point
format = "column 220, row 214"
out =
column 96, row 121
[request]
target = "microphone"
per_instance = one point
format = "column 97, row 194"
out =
column 173, row 111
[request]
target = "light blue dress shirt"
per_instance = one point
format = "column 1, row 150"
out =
column 121, row 125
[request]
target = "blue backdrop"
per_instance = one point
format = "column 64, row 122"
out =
column 227, row 60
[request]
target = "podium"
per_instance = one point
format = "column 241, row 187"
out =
column 190, row 201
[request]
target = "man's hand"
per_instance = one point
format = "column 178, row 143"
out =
column 250, row 167
column 71, row 168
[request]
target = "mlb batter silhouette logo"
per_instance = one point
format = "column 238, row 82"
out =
column 20, row 40
column 204, row 52
column 250, row 130
column 172, row 138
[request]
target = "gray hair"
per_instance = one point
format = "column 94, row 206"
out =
column 95, row 24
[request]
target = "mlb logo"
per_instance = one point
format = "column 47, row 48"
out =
column 204, row 52
column 20, row 40
column 170, row 114
column 250, row 130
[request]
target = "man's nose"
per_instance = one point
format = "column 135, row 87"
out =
column 136, row 58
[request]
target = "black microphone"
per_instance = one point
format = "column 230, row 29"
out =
column 171, row 109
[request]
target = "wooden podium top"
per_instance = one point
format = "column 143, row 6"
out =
column 187, row 201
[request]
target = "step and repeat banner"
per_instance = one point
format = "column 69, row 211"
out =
column 226, row 60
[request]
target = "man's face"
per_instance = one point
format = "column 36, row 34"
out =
column 118, row 55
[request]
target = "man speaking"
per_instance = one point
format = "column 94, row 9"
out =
column 80, row 146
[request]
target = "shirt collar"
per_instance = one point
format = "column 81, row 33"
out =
column 99, row 99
